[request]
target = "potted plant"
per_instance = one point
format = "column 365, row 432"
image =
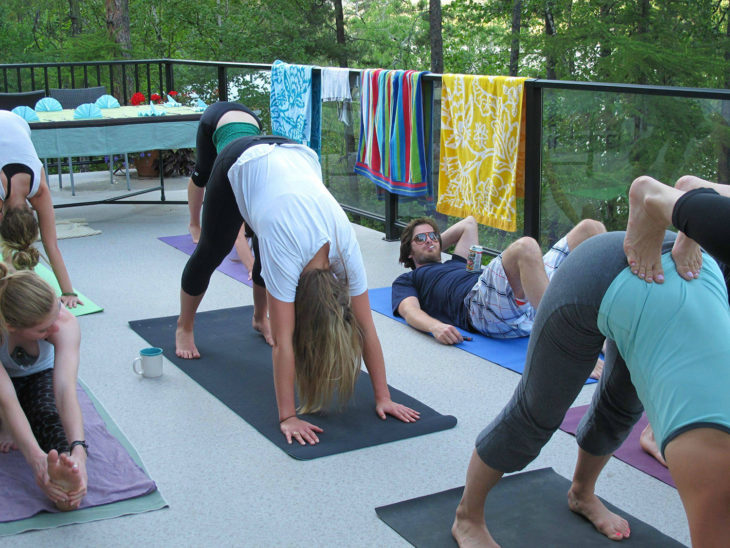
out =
column 147, row 163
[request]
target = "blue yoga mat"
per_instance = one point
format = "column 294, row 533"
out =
column 509, row 353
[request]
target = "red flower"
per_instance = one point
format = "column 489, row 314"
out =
column 156, row 98
column 137, row 99
column 172, row 93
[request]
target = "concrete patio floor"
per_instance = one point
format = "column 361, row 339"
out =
column 225, row 483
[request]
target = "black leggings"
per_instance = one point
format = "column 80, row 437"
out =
column 702, row 214
column 35, row 394
column 205, row 149
column 222, row 220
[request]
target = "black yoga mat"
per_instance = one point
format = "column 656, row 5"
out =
column 236, row 368
column 523, row 510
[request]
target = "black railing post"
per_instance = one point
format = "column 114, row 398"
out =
column 169, row 77
column 222, row 84
column 391, row 216
column 533, row 158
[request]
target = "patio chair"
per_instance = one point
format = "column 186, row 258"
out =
column 8, row 101
column 72, row 98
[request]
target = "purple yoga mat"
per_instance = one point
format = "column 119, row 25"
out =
column 630, row 451
column 112, row 474
column 234, row 269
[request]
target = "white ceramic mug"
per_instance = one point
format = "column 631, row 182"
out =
column 150, row 360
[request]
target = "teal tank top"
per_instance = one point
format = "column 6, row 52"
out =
column 675, row 340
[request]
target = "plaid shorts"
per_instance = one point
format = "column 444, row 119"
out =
column 491, row 303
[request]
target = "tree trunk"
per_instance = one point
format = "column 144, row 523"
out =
column 550, row 32
column 434, row 34
column 74, row 14
column 514, row 54
column 723, row 164
column 340, row 34
column 117, row 24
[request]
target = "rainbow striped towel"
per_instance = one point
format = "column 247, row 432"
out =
column 481, row 167
column 295, row 103
column 395, row 131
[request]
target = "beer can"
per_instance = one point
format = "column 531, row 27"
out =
column 474, row 259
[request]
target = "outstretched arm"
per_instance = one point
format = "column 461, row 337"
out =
column 43, row 206
column 66, row 343
column 410, row 310
column 17, row 424
column 462, row 235
column 282, row 320
column 375, row 363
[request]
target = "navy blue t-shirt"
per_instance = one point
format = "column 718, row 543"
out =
column 440, row 289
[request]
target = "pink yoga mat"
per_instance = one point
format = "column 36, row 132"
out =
column 234, row 269
column 630, row 451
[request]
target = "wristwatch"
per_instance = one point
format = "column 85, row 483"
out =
column 82, row 443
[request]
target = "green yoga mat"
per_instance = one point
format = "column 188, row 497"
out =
column 88, row 307
column 146, row 503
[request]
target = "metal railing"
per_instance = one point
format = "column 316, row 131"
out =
column 547, row 165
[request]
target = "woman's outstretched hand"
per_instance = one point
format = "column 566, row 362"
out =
column 71, row 301
column 389, row 407
column 304, row 432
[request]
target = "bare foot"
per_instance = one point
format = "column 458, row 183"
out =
column 263, row 327
column 606, row 522
column 467, row 533
column 7, row 443
column 644, row 233
column 69, row 475
column 648, row 444
column 185, row 344
column 687, row 257
column 194, row 232
column 597, row 370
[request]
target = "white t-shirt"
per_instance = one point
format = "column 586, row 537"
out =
column 280, row 194
column 17, row 148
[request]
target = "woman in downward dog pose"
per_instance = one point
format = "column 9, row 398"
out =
column 310, row 289
column 39, row 409
column 666, row 349
column 23, row 181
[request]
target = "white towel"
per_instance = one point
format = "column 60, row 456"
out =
column 336, row 84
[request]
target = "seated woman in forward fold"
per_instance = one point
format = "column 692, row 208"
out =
column 314, row 301
column 667, row 348
column 24, row 180
column 39, row 409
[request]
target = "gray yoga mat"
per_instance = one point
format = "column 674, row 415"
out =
column 236, row 368
column 523, row 510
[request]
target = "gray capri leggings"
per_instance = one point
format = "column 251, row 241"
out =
column 563, row 349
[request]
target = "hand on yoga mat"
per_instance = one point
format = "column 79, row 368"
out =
column 70, row 300
column 304, row 432
column 447, row 334
column 389, row 407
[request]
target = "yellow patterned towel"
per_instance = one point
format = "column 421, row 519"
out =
column 482, row 162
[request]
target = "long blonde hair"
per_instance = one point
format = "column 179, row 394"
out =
column 19, row 231
column 327, row 341
column 25, row 299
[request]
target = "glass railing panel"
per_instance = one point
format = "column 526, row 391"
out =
column 595, row 144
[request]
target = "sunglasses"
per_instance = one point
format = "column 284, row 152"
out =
column 421, row 238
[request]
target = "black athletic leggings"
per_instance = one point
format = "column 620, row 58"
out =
column 702, row 214
column 35, row 394
column 222, row 220
column 205, row 149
